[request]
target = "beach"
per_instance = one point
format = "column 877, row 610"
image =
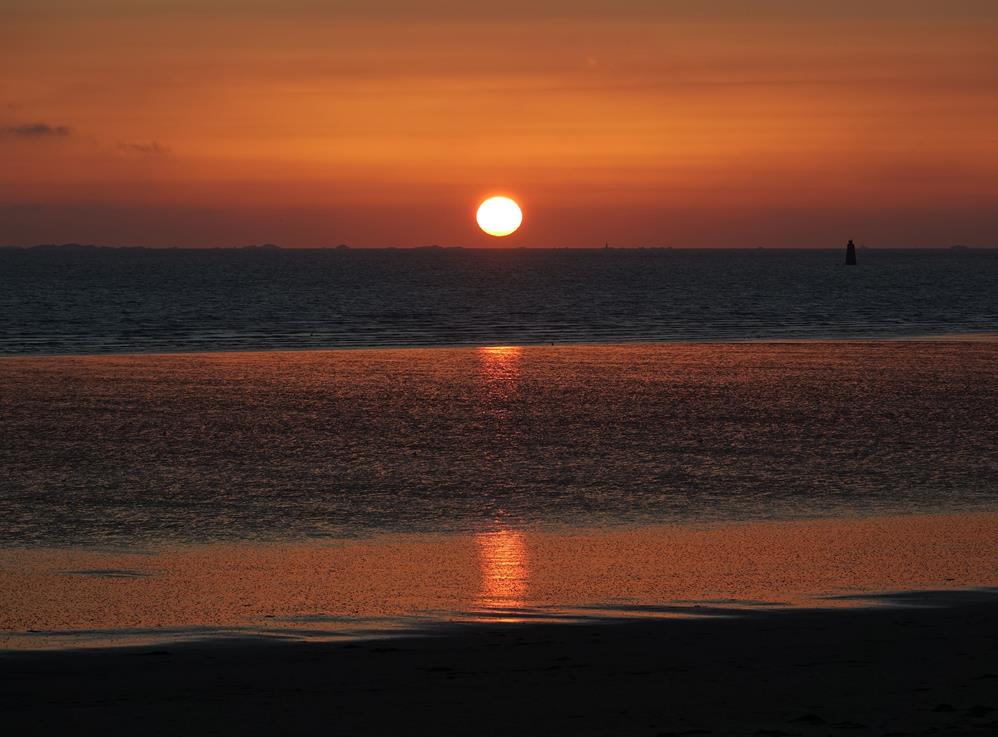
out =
column 868, row 626
column 927, row 667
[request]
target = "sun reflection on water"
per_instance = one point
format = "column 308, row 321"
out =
column 505, row 569
column 500, row 373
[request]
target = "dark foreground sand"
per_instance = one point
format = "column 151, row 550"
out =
column 929, row 667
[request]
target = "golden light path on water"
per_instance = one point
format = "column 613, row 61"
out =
column 502, row 553
column 505, row 570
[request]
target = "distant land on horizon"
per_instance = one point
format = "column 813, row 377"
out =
column 271, row 247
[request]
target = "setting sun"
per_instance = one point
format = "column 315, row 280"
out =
column 499, row 216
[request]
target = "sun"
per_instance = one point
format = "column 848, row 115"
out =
column 499, row 216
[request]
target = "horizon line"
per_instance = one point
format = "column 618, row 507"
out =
column 270, row 247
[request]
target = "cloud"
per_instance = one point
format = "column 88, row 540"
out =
column 153, row 148
column 36, row 130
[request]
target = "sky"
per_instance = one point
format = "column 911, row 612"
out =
column 384, row 122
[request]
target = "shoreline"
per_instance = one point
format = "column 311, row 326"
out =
column 925, row 664
column 401, row 584
column 557, row 529
column 967, row 337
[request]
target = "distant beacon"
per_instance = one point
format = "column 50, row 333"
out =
column 851, row 254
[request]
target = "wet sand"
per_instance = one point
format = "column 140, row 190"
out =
column 737, row 629
column 927, row 667
column 69, row 598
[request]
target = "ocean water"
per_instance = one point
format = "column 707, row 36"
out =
column 112, row 301
column 287, row 446
column 512, row 435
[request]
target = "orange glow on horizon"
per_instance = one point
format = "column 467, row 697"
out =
column 368, row 125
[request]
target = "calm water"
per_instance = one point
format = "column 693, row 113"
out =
column 139, row 450
column 134, row 301
column 320, row 589
column 208, row 492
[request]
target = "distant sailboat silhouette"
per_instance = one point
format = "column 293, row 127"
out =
column 851, row 254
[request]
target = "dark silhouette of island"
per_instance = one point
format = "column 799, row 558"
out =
column 851, row 248
column 262, row 247
column 65, row 247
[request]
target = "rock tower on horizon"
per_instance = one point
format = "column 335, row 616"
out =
column 850, row 254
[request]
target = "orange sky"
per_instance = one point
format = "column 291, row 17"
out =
column 377, row 123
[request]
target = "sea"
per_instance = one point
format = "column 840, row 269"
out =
column 82, row 301
column 260, row 442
